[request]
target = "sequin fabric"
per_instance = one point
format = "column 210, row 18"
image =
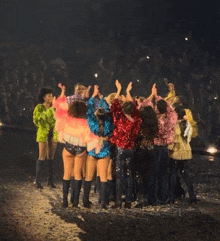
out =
column 94, row 125
column 125, row 132
column 44, row 120
column 166, row 123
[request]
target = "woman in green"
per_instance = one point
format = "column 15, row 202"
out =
column 43, row 118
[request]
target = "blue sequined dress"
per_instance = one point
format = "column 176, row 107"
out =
column 94, row 126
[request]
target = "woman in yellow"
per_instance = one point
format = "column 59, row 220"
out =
column 175, row 100
column 180, row 154
column 43, row 118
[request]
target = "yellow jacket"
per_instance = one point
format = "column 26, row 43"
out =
column 181, row 149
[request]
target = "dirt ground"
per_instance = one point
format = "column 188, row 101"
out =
column 28, row 214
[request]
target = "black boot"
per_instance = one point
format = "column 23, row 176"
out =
column 77, row 188
column 103, row 194
column 72, row 180
column 118, row 202
column 87, row 188
column 111, row 191
column 50, row 176
column 39, row 168
column 97, row 185
column 66, row 186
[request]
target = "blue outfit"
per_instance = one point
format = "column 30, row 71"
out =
column 94, row 126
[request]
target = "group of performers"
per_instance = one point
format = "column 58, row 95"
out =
column 138, row 148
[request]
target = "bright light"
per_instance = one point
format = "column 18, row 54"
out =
column 212, row 150
column 147, row 57
column 138, row 80
column 1, row 124
column 186, row 39
column 24, row 109
column 96, row 75
column 216, row 97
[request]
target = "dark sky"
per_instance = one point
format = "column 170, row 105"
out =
column 97, row 20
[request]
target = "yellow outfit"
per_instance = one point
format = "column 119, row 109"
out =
column 172, row 98
column 181, row 149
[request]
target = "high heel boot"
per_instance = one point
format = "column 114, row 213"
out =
column 66, row 186
column 39, row 168
column 77, row 188
column 50, row 174
column 87, row 188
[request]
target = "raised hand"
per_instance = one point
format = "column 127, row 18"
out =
column 61, row 86
column 129, row 87
column 118, row 84
column 171, row 86
column 63, row 89
column 154, row 90
column 96, row 90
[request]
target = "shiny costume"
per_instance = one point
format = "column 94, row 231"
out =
column 44, row 120
column 72, row 130
column 172, row 98
column 165, row 136
column 124, row 136
column 180, row 154
column 94, row 126
column 125, row 132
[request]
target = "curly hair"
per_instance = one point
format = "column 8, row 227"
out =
column 149, row 126
column 162, row 106
column 44, row 91
column 78, row 109
column 128, row 107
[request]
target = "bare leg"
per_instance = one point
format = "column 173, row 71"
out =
column 90, row 168
column 68, row 164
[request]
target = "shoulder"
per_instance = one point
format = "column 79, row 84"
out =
column 40, row 107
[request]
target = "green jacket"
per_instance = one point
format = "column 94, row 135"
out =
column 43, row 119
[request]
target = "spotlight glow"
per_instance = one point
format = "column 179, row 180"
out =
column 186, row 39
column 96, row 75
column 1, row 124
column 147, row 57
column 212, row 150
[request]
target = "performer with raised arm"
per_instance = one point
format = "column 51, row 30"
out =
column 167, row 119
column 101, row 124
column 74, row 132
column 126, row 129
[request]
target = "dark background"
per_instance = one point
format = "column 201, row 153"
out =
column 44, row 42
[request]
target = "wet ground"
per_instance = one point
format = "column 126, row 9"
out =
column 27, row 214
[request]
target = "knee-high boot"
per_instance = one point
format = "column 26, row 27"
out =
column 97, row 185
column 103, row 194
column 72, row 189
column 50, row 174
column 39, row 168
column 77, row 188
column 111, row 191
column 87, row 188
column 66, row 186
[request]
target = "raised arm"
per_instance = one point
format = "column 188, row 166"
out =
column 128, row 95
column 118, row 86
column 63, row 89
column 91, row 105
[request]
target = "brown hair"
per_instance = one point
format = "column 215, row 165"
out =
column 100, row 114
column 78, row 109
column 128, row 107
